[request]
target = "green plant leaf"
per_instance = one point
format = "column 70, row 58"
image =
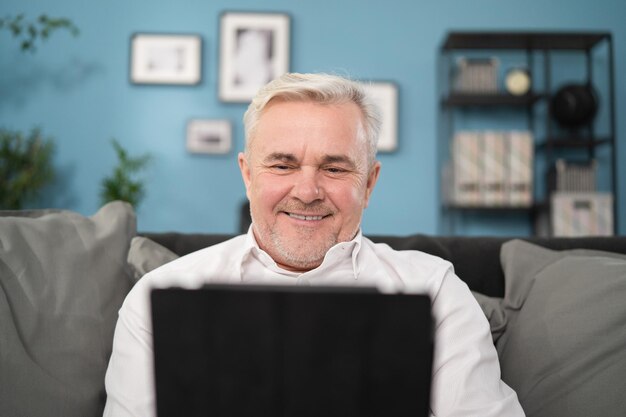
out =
column 25, row 166
column 121, row 184
column 42, row 28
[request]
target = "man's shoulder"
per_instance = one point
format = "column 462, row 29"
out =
column 411, row 256
column 413, row 270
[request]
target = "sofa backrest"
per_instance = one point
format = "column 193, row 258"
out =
column 476, row 259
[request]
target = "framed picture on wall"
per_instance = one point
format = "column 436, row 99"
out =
column 165, row 59
column 209, row 136
column 386, row 95
column 254, row 49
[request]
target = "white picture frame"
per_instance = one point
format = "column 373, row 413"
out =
column 165, row 59
column 385, row 94
column 254, row 49
column 209, row 136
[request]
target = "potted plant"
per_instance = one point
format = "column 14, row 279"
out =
column 122, row 184
column 25, row 166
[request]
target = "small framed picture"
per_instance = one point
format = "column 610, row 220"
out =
column 254, row 49
column 386, row 95
column 206, row 136
column 165, row 59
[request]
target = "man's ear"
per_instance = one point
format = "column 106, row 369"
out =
column 245, row 170
column 372, row 178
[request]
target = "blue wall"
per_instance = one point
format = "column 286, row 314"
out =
column 77, row 90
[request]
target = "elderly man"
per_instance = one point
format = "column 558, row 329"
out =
column 309, row 169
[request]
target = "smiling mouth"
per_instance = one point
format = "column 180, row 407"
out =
column 303, row 217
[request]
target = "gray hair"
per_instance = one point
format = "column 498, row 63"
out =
column 322, row 89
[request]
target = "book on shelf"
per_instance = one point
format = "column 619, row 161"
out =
column 520, row 169
column 466, row 169
column 578, row 177
column 494, row 173
column 490, row 169
column 476, row 75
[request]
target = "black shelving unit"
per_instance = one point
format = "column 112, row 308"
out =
column 535, row 47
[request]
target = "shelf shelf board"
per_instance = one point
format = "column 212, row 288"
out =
column 496, row 99
column 489, row 208
column 523, row 40
column 568, row 143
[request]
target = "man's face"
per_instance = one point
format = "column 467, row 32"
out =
column 307, row 179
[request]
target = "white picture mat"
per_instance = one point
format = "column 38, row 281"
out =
column 386, row 96
column 166, row 59
column 231, row 62
column 209, row 136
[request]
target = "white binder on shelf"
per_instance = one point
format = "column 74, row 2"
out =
column 520, row 168
column 494, row 174
column 466, row 169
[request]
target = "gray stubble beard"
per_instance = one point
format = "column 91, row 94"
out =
column 303, row 256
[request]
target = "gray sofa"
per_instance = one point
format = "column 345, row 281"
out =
column 556, row 308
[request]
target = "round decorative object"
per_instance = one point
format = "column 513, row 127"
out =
column 517, row 81
column 574, row 105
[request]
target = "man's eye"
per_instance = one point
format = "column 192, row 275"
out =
column 281, row 167
column 335, row 170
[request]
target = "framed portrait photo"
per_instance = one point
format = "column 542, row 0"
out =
column 209, row 136
column 254, row 49
column 386, row 96
column 165, row 59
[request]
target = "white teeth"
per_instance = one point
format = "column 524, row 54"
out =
column 299, row 217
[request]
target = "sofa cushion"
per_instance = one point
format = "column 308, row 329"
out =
column 563, row 347
column 145, row 255
column 492, row 307
column 63, row 278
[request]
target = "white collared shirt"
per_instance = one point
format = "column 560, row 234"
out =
column 466, row 373
column 336, row 269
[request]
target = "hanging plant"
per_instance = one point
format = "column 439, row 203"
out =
column 28, row 32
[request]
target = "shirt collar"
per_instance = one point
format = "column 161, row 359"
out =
column 335, row 254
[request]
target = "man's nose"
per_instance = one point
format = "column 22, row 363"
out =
column 308, row 186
